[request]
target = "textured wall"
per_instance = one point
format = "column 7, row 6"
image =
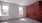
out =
column 33, row 11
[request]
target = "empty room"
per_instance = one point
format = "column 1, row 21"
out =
column 20, row 11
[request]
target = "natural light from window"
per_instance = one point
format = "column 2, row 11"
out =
column 0, row 10
column 4, row 10
column 21, row 10
column 3, row 22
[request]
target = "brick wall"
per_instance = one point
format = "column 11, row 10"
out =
column 33, row 11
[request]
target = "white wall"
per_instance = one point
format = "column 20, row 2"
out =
column 24, row 11
column 14, row 12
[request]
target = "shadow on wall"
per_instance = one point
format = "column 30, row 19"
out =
column 34, row 11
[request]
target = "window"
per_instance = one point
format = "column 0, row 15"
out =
column 20, row 10
column 4, row 10
column 0, row 10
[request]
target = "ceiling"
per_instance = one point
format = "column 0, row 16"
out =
column 20, row 2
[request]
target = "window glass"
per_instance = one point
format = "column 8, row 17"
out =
column 5, row 10
column 0, row 10
column 20, row 10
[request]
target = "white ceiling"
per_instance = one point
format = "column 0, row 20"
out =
column 20, row 2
